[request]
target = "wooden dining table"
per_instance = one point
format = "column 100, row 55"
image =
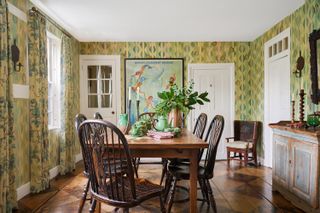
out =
column 185, row 146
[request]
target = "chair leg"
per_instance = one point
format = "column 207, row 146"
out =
column 162, row 208
column 171, row 194
column 213, row 202
column 228, row 157
column 254, row 155
column 164, row 170
column 245, row 158
column 84, row 196
column 167, row 186
column 136, row 166
column 204, row 190
column 93, row 206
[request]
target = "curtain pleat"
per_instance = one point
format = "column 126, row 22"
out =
column 37, row 43
column 7, row 145
column 67, row 141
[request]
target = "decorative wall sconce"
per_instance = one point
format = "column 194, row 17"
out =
column 299, row 66
column 15, row 55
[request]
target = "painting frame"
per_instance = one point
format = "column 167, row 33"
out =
column 163, row 67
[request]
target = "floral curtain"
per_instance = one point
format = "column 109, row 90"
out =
column 37, row 46
column 7, row 146
column 67, row 142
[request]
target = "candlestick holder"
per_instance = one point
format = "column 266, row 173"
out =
column 129, row 113
column 138, row 103
column 301, row 110
column 292, row 112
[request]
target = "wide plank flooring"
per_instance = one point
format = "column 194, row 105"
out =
column 236, row 189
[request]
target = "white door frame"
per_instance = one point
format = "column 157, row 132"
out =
column 116, row 60
column 228, row 66
column 267, row 161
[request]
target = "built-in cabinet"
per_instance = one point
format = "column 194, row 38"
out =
column 295, row 172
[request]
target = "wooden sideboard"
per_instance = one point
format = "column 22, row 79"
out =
column 295, row 166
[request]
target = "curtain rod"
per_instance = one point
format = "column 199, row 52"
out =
column 35, row 10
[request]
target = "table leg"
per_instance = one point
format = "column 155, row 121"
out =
column 193, row 180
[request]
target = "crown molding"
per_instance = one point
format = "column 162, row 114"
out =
column 55, row 18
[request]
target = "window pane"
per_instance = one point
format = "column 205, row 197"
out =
column 50, row 118
column 106, row 86
column 106, row 101
column 92, row 101
column 106, row 71
column 92, row 86
column 93, row 71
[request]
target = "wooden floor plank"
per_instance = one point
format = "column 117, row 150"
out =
column 236, row 189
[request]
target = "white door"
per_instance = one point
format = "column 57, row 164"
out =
column 218, row 80
column 278, row 99
column 99, row 84
column 277, row 88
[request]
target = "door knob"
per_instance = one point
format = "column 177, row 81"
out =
column 112, row 112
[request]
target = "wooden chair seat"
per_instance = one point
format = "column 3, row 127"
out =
column 144, row 191
column 182, row 171
column 240, row 145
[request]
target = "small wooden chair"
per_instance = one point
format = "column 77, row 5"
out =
column 98, row 116
column 78, row 120
column 110, row 168
column 205, row 171
column 246, row 135
column 198, row 131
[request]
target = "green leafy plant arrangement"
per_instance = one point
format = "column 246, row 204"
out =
column 182, row 99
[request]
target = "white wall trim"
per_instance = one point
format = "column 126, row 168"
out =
column 53, row 172
column 17, row 12
column 20, row 91
column 231, row 68
column 23, row 190
column 286, row 33
column 54, row 17
column 78, row 157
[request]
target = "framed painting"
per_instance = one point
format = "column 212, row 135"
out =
column 145, row 77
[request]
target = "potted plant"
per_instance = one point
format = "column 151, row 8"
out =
column 179, row 100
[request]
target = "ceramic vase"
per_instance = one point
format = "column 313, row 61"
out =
column 123, row 123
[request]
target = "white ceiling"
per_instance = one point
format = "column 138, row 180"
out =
column 167, row 20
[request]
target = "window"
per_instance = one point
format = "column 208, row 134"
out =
column 53, row 48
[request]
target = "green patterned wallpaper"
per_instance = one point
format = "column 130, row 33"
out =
column 192, row 52
column 301, row 24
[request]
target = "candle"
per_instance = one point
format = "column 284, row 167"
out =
column 301, row 85
column 129, row 94
column 138, row 93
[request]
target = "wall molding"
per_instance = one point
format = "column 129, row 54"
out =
column 17, row 12
column 53, row 172
column 23, row 190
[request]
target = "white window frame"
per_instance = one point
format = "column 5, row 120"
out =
column 54, row 70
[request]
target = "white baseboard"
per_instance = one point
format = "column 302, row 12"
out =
column 53, row 172
column 78, row 157
column 23, row 190
column 147, row 160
